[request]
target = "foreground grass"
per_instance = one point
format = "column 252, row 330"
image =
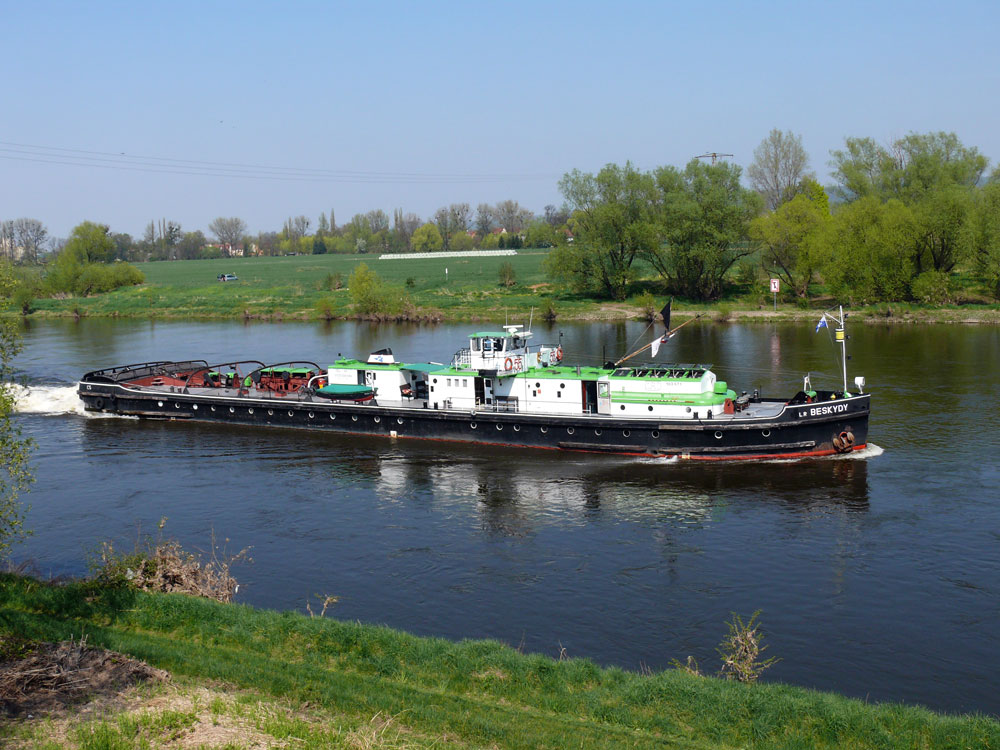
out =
column 436, row 692
column 298, row 288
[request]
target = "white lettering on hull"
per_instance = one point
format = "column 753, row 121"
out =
column 819, row 411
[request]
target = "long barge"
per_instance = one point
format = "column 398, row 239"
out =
column 499, row 390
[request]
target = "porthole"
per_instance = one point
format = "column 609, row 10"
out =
column 766, row 433
column 178, row 406
column 472, row 425
column 270, row 412
column 562, row 385
column 160, row 403
column 291, row 413
column 570, row 430
column 213, row 408
column 626, row 433
column 597, row 432
column 517, row 428
column 622, row 407
column 232, row 410
column 499, row 427
column 650, row 408
column 538, row 385
column 333, row 417
column 718, row 435
column 399, row 420
column 250, row 410
column 194, row 406
column 655, row 434
column 544, row 429
column 354, row 417
column 378, row 419
column 311, row 415
column 434, row 380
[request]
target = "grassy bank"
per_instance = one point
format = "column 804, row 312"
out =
column 300, row 288
column 315, row 682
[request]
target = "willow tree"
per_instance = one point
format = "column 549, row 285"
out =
column 705, row 214
column 614, row 224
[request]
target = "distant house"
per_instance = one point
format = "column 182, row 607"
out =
column 11, row 251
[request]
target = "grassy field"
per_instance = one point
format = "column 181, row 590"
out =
column 300, row 287
column 308, row 682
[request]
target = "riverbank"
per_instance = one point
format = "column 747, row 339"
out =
column 281, row 677
column 513, row 307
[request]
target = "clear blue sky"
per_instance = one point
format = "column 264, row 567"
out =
column 416, row 105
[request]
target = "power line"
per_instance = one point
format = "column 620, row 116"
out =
column 162, row 165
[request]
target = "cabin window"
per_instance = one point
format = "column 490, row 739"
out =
column 449, row 382
column 488, row 383
column 487, row 345
column 475, row 345
column 558, row 394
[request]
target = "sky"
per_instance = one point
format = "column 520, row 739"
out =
column 123, row 113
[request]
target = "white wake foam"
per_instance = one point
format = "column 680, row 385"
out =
column 46, row 399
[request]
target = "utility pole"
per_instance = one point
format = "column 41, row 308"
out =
column 713, row 154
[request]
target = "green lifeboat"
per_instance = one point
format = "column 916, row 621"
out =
column 346, row 392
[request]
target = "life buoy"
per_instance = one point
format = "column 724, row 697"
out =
column 559, row 354
column 508, row 364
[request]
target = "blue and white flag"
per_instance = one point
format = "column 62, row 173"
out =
column 822, row 323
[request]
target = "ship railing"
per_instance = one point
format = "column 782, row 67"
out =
column 504, row 404
column 463, row 357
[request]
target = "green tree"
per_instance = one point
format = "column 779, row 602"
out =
column 941, row 216
column 426, row 239
column 705, row 214
column 982, row 233
column 616, row 224
column 90, row 243
column 870, row 251
column 15, row 473
column 789, row 238
column 319, row 245
column 907, row 169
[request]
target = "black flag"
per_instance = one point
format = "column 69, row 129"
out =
column 665, row 312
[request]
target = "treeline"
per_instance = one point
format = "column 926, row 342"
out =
column 84, row 265
column 900, row 220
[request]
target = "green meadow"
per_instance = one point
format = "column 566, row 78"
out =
column 305, row 287
column 314, row 682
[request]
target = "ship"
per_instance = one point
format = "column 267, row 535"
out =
column 501, row 389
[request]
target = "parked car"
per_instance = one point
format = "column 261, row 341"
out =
column 228, row 277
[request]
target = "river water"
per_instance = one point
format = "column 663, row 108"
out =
column 877, row 576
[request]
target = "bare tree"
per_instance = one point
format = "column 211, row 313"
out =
column 228, row 231
column 779, row 165
column 484, row 219
column 511, row 216
column 7, row 241
column 442, row 217
column 30, row 235
column 459, row 216
column 377, row 220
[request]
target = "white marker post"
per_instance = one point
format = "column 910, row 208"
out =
column 775, row 288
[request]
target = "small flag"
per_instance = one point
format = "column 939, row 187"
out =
column 822, row 323
column 655, row 347
column 665, row 314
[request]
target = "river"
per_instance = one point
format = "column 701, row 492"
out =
column 877, row 576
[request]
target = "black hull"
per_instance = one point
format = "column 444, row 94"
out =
column 797, row 431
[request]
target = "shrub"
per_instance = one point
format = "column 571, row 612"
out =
column 741, row 650
column 549, row 312
column 506, row 274
column 647, row 306
column 933, row 288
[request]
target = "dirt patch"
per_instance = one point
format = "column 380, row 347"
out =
column 56, row 675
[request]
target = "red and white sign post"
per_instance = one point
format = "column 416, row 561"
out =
column 775, row 288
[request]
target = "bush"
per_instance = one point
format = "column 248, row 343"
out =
column 372, row 297
column 647, row 306
column 506, row 274
column 84, row 279
column 333, row 281
column 933, row 288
